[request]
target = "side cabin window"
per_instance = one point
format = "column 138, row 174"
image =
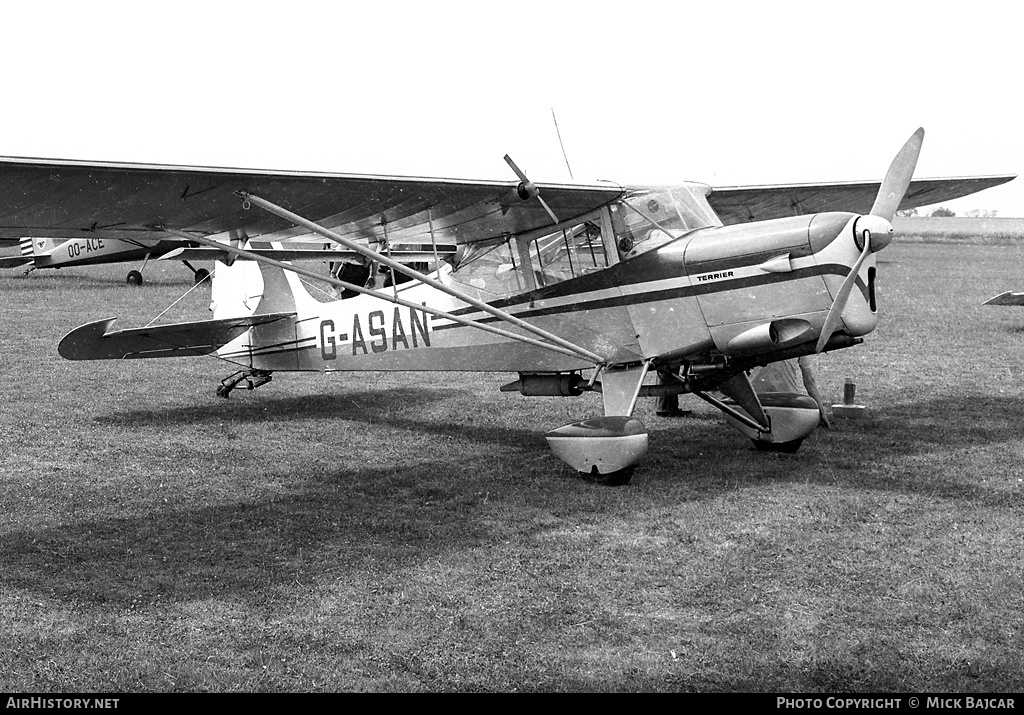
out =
column 568, row 253
column 518, row 264
column 489, row 270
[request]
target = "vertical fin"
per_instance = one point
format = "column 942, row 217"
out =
column 277, row 291
column 237, row 289
column 39, row 246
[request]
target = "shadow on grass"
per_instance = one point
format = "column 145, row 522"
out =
column 375, row 519
column 382, row 517
column 326, row 523
column 945, row 446
column 850, row 452
column 395, row 407
column 363, row 405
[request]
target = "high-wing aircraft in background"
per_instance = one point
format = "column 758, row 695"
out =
column 48, row 252
column 577, row 288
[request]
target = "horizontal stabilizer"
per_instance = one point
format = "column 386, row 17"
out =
column 14, row 261
column 402, row 255
column 1008, row 298
column 92, row 341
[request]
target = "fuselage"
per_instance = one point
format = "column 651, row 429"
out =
column 705, row 293
column 61, row 253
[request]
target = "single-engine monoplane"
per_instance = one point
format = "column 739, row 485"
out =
column 47, row 252
column 578, row 288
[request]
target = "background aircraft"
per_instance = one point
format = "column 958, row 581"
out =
column 704, row 284
column 46, row 252
column 62, row 253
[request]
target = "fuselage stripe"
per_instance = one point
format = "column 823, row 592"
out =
column 686, row 291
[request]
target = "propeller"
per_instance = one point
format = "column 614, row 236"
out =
column 835, row 313
column 897, row 179
column 527, row 189
column 874, row 231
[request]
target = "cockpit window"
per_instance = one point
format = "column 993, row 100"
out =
column 647, row 218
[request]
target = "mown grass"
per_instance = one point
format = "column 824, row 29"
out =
column 409, row 532
column 960, row 229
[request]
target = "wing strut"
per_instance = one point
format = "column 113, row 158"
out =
column 437, row 285
column 242, row 253
column 734, row 413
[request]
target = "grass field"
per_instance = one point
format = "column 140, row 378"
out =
column 986, row 231
column 412, row 532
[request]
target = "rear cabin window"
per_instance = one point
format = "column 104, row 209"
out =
column 517, row 265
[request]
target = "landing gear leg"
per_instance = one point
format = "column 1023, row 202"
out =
column 252, row 378
column 199, row 275
column 135, row 277
column 605, row 450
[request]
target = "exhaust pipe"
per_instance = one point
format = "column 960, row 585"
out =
column 768, row 336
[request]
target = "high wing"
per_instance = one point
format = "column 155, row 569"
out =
column 95, row 341
column 740, row 204
column 74, row 199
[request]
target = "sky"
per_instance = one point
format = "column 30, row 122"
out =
column 727, row 94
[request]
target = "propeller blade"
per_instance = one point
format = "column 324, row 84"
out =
column 897, row 179
column 527, row 189
column 547, row 208
column 835, row 313
column 875, row 227
column 517, row 170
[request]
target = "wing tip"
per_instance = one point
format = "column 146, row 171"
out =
column 1007, row 298
column 82, row 342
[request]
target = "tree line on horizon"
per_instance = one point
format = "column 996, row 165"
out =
column 943, row 212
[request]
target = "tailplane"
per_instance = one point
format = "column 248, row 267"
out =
column 27, row 257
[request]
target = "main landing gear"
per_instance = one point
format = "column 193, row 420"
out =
column 135, row 277
column 199, row 275
column 252, row 378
